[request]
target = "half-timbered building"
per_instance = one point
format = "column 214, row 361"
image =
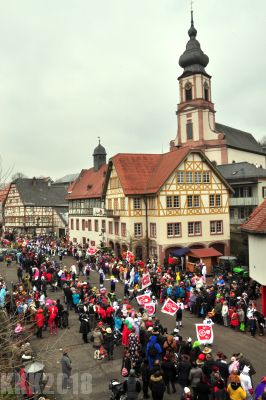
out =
column 156, row 203
column 36, row 206
column 86, row 207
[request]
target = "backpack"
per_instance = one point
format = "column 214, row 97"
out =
column 152, row 350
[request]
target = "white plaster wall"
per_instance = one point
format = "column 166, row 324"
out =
column 79, row 234
column 257, row 265
column 240, row 156
column 214, row 155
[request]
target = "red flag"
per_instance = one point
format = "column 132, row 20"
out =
column 150, row 308
column 143, row 299
column 146, row 281
column 170, row 307
column 204, row 333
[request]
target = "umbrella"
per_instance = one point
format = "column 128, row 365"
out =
column 34, row 367
column 49, row 302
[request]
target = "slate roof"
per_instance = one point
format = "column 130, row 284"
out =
column 257, row 221
column 239, row 139
column 241, row 170
column 146, row 173
column 37, row 192
column 89, row 184
column 67, row 178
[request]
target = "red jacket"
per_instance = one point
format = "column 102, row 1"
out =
column 53, row 311
column 39, row 318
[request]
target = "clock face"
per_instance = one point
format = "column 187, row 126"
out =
column 188, row 86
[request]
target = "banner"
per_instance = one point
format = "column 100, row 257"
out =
column 204, row 333
column 170, row 307
column 130, row 257
column 143, row 299
column 150, row 308
column 146, row 281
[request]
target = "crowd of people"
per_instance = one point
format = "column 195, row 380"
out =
column 162, row 360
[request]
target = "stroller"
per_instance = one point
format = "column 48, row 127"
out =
column 65, row 323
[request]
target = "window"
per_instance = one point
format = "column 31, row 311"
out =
column 188, row 91
column 136, row 203
column 189, row 177
column 110, row 227
column 206, row 177
column 109, row 204
column 193, row 201
column 77, row 224
column 264, row 192
column 189, row 131
column 194, row 228
column 198, row 177
column 138, row 229
column 180, row 176
column 103, row 225
column 153, row 230
column 232, row 213
column 89, row 224
column 216, row 227
column 122, row 203
column 212, row 200
column 83, row 224
column 215, row 200
column 152, row 203
column 72, row 224
column 115, row 204
column 206, row 91
column 123, row 229
column 116, row 228
column 96, row 225
column 174, row 229
column 172, row 202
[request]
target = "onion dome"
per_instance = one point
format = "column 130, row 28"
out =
column 193, row 60
column 99, row 150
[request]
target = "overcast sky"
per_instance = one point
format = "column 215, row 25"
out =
column 72, row 70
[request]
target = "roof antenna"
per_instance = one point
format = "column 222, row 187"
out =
column 191, row 11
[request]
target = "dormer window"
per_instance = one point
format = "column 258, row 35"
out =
column 188, row 91
column 206, row 91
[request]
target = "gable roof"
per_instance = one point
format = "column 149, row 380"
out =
column 67, row 179
column 38, row 192
column 257, row 221
column 89, row 184
column 241, row 170
column 239, row 139
column 146, row 173
column 3, row 193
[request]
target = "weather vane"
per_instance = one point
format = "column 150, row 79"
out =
column 191, row 5
column 99, row 138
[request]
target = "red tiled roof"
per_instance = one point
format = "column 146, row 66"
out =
column 257, row 220
column 89, row 184
column 203, row 253
column 146, row 173
column 4, row 193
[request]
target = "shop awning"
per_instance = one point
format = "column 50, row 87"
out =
column 204, row 253
column 179, row 252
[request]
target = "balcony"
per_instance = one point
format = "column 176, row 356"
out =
column 243, row 201
column 113, row 213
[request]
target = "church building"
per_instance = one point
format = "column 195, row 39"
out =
column 196, row 125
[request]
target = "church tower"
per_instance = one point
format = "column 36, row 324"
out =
column 99, row 156
column 195, row 111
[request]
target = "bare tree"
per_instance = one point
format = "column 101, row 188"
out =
column 18, row 175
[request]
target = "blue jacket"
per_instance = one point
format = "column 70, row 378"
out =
column 152, row 359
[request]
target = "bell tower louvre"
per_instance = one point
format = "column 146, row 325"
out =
column 196, row 126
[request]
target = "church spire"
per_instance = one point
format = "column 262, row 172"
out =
column 193, row 60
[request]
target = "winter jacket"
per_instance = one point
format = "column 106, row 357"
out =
column 66, row 365
column 195, row 376
column 39, row 318
column 157, row 387
column 153, row 343
column 203, row 391
column 108, row 340
column 169, row 370
column 183, row 371
column 236, row 393
column 246, row 381
column 132, row 387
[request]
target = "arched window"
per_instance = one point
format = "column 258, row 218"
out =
column 188, row 91
column 206, row 91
